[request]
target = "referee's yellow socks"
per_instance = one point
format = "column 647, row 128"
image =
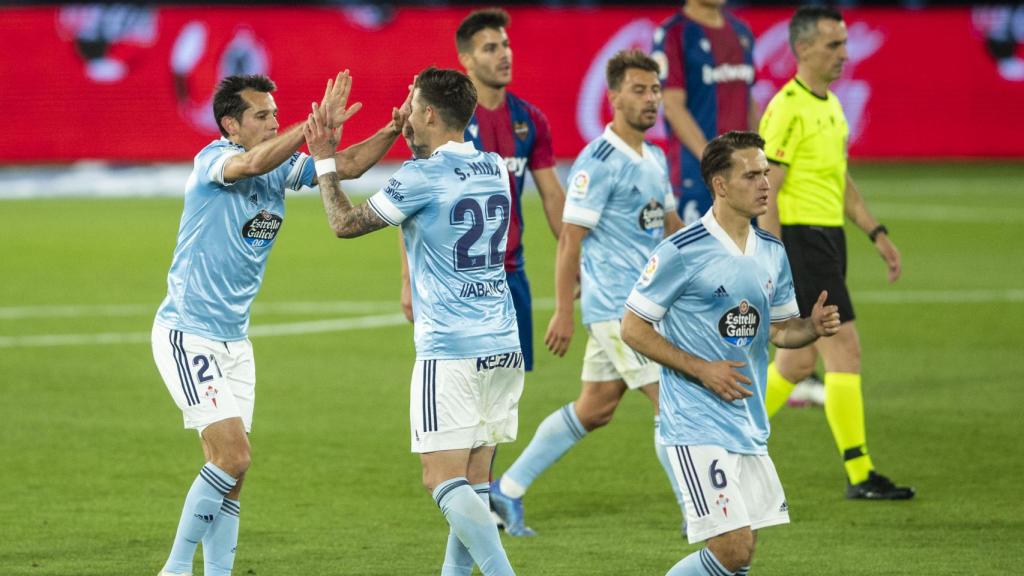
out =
column 778, row 390
column 844, row 409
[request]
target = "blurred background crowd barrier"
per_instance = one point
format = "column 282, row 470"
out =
column 131, row 84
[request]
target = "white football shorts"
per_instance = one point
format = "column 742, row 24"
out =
column 725, row 491
column 465, row 403
column 608, row 358
column 209, row 380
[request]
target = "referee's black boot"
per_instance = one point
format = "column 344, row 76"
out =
column 878, row 487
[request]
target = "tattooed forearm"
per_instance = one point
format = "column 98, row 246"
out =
column 346, row 221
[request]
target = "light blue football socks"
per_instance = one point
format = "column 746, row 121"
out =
column 703, row 563
column 457, row 559
column 555, row 435
column 221, row 540
column 202, row 505
column 470, row 520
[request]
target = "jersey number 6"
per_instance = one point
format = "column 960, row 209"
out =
column 496, row 209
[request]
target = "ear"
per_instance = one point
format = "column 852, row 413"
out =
column 613, row 98
column 229, row 124
column 465, row 59
column 718, row 185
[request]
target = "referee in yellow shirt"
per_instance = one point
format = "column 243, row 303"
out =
column 806, row 136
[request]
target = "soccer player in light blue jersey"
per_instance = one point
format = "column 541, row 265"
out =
column 453, row 204
column 710, row 288
column 619, row 205
column 234, row 208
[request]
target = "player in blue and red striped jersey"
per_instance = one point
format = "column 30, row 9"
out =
column 519, row 132
column 707, row 69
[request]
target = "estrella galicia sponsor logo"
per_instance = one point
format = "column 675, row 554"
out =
column 506, row 360
column 392, row 189
column 480, row 289
column 652, row 217
column 739, row 325
column 261, row 229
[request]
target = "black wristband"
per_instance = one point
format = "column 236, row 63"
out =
column 880, row 229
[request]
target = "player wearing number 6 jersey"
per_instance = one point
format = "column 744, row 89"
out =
column 720, row 290
column 453, row 204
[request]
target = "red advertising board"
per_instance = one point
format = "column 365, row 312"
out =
column 131, row 83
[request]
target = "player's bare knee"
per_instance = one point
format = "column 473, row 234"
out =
column 235, row 462
column 734, row 550
column 597, row 416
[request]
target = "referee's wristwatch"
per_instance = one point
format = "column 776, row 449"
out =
column 880, row 229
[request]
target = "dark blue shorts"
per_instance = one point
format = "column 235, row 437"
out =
column 519, row 287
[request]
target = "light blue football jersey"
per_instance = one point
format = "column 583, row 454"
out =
column 622, row 198
column 224, row 238
column 454, row 210
column 715, row 302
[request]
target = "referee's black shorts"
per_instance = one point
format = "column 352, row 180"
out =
column 817, row 257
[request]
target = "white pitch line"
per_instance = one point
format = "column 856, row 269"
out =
column 122, row 310
column 1011, row 295
column 932, row 213
column 937, row 296
column 894, row 295
column 267, row 330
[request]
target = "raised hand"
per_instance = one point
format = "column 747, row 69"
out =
column 825, row 318
column 336, row 95
column 322, row 140
column 401, row 114
column 723, row 379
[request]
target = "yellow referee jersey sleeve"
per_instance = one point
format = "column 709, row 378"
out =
column 807, row 134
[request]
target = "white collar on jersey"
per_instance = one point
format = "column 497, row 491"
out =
column 711, row 224
column 620, row 144
column 464, row 148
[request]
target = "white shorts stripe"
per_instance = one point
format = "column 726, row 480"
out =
column 696, row 478
column 691, row 481
column 184, row 374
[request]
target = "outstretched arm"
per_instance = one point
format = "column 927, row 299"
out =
column 346, row 220
column 263, row 157
column 266, row 156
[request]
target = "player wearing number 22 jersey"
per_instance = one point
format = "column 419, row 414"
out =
column 454, row 209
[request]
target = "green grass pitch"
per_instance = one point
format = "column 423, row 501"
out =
column 94, row 463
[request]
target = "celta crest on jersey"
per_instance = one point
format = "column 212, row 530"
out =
column 261, row 229
column 738, row 326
